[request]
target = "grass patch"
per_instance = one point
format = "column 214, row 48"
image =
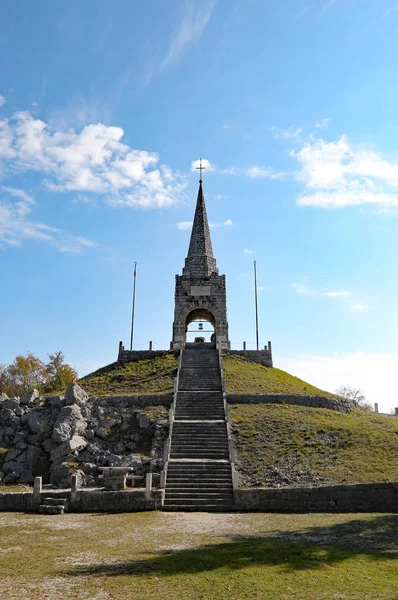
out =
column 295, row 445
column 246, row 377
column 199, row 556
column 151, row 376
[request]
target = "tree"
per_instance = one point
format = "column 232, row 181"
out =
column 25, row 373
column 5, row 384
column 59, row 373
column 353, row 395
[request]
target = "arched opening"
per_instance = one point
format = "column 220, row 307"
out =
column 200, row 324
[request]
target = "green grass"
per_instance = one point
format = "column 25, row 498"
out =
column 245, row 377
column 151, row 376
column 295, row 445
column 155, row 376
column 158, row 556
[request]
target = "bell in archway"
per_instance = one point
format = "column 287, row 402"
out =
column 200, row 326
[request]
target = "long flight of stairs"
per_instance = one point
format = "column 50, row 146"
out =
column 199, row 476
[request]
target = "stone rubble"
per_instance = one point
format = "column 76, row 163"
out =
column 55, row 437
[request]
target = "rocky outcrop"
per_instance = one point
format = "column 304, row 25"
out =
column 75, row 434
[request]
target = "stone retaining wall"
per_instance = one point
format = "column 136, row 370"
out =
column 133, row 355
column 360, row 497
column 133, row 401
column 263, row 357
column 86, row 501
column 339, row 404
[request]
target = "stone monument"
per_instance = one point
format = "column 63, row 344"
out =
column 200, row 291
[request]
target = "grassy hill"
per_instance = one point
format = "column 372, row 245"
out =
column 151, row 376
column 244, row 377
column 155, row 376
column 281, row 445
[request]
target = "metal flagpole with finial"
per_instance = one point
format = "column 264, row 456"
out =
column 200, row 168
column 255, row 299
column 132, row 312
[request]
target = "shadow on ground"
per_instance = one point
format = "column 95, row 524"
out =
column 376, row 537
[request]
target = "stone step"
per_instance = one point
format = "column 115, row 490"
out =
column 209, row 467
column 181, row 487
column 199, row 497
column 210, row 508
column 177, row 453
column 55, row 501
column 51, row 509
column 187, row 500
column 195, row 453
column 192, row 440
column 188, row 417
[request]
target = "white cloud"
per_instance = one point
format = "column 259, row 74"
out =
column 337, row 174
column 303, row 289
column 322, row 124
column 188, row 224
column 262, row 173
column 360, row 307
column 254, row 172
column 92, row 161
column 184, row 225
column 188, row 31
column 2, row 100
column 341, row 294
column 373, row 373
column 291, row 133
column 16, row 224
column 247, row 251
column 261, row 288
column 206, row 164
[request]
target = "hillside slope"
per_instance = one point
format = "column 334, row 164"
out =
column 151, row 376
column 245, row 377
column 281, row 445
column 155, row 376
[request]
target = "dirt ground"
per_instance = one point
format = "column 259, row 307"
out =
column 168, row 556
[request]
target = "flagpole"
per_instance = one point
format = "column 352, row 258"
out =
column 132, row 312
column 255, row 300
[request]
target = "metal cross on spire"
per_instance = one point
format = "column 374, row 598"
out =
column 200, row 168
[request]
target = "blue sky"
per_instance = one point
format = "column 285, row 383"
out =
column 104, row 109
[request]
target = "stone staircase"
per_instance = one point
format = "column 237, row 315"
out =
column 199, row 476
column 53, row 506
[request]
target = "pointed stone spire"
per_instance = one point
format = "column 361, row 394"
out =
column 200, row 261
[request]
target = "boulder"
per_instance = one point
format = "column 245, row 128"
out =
column 11, row 403
column 75, row 444
column 36, row 422
column 29, row 397
column 75, row 394
column 13, row 467
column 62, row 474
column 7, row 416
column 144, row 422
column 70, row 422
column 3, row 397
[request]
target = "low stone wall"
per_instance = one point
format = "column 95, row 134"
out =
column 339, row 404
column 133, row 401
column 263, row 357
column 133, row 355
column 360, row 497
column 16, row 502
column 86, row 501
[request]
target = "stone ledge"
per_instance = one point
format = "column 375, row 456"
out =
column 97, row 500
column 340, row 405
column 359, row 497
